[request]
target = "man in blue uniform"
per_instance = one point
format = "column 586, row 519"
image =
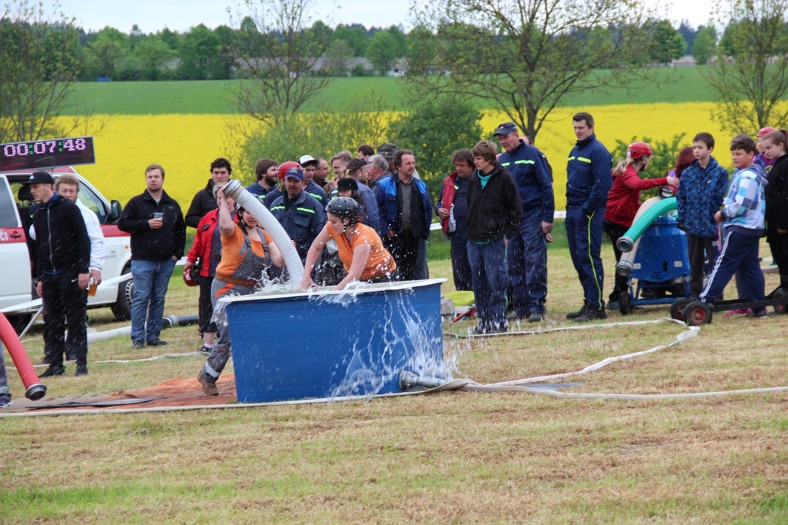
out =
column 527, row 253
column 300, row 214
column 588, row 180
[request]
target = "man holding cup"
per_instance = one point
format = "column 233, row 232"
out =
column 158, row 237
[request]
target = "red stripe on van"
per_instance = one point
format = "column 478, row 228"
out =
column 12, row 235
column 111, row 230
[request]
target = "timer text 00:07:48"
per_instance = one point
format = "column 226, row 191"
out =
column 43, row 147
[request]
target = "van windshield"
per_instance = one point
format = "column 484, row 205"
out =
column 92, row 202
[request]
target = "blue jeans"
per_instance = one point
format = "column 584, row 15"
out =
column 4, row 392
column 527, row 258
column 584, row 235
column 490, row 280
column 151, row 279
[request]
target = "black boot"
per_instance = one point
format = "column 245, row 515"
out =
column 54, row 370
column 591, row 314
column 578, row 313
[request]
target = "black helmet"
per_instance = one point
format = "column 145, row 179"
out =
column 344, row 207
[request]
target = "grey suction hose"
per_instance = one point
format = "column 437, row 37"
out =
column 180, row 320
column 253, row 205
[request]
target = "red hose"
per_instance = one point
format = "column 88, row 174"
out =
column 34, row 390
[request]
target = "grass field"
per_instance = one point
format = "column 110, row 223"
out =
column 444, row 458
column 684, row 84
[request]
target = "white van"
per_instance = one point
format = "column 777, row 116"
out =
column 16, row 282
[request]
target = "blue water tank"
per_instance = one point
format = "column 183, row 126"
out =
column 324, row 343
column 662, row 253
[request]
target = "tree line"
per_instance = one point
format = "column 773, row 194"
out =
column 522, row 57
column 202, row 53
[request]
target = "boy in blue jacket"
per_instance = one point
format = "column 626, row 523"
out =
column 701, row 192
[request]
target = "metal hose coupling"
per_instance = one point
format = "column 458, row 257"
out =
column 624, row 268
column 409, row 380
column 625, row 244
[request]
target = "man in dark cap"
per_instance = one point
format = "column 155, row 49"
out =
column 62, row 253
column 388, row 150
column 300, row 214
column 527, row 251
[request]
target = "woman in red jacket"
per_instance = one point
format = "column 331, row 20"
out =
column 207, row 249
column 623, row 202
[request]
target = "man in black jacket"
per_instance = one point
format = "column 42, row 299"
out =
column 203, row 201
column 494, row 213
column 158, row 236
column 62, row 253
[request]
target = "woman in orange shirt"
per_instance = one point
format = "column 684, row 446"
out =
column 359, row 246
column 247, row 252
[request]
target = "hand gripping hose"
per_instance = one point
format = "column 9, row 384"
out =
column 34, row 390
column 253, row 205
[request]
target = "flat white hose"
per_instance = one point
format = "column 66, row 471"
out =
column 253, row 205
column 457, row 384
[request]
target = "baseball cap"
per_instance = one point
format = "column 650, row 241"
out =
column 307, row 159
column 505, row 128
column 388, row 150
column 765, row 131
column 295, row 173
column 40, row 177
column 347, row 184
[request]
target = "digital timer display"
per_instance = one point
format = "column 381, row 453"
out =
column 49, row 153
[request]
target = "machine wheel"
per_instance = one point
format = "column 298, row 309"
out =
column 697, row 313
column 781, row 301
column 677, row 308
column 122, row 307
column 624, row 304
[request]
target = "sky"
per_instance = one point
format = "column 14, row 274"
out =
column 180, row 15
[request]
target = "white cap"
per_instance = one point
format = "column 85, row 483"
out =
column 306, row 159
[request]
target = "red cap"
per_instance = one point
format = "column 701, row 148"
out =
column 286, row 166
column 765, row 131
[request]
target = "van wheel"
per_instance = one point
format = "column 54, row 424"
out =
column 122, row 307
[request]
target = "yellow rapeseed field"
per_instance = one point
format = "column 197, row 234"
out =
column 186, row 144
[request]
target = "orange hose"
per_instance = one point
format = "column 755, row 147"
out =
column 34, row 390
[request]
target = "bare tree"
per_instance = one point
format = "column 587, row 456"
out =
column 39, row 64
column 526, row 56
column 277, row 53
column 750, row 75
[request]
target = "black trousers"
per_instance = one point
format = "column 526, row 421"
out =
column 410, row 254
column 779, row 246
column 205, row 306
column 616, row 231
column 698, row 251
column 64, row 301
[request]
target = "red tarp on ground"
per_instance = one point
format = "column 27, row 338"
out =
column 177, row 392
